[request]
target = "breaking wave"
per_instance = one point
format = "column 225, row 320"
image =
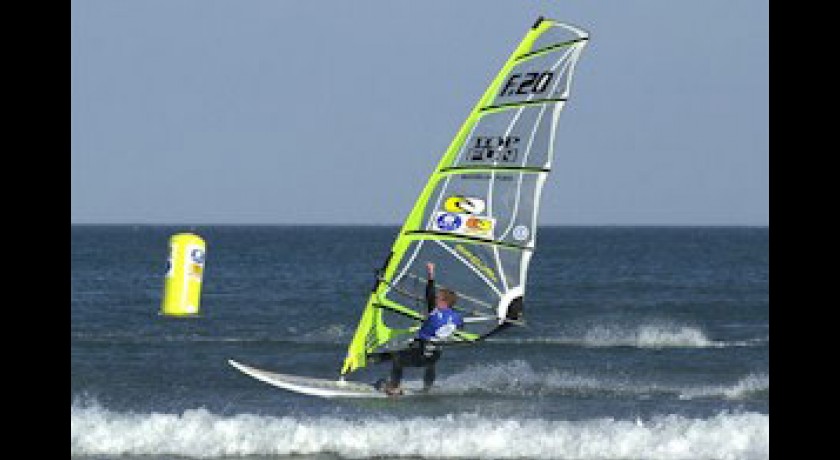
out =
column 648, row 336
column 753, row 385
column 520, row 378
column 198, row 433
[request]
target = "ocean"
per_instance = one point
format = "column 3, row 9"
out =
column 640, row 343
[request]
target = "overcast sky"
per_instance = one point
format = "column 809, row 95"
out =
column 199, row 112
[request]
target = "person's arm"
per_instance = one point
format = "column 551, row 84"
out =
column 430, row 287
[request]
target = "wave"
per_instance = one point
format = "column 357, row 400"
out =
column 519, row 378
column 751, row 386
column 653, row 337
column 647, row 336
column 644, row 336
column 329, row 334
column 198, row 433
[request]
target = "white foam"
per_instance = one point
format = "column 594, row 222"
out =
column 331, row 333
column 744, row 388
column 644, row 336
column 650, row 337
column 198, row 433
column 518, row 377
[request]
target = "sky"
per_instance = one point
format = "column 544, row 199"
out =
column 336, row 112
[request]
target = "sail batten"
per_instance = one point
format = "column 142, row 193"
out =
column 549, row 49
column 476, row 217
column 493, row 169
column 442, row 236
column 516, row 105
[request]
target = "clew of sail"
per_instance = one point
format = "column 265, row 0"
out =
column 476, row 218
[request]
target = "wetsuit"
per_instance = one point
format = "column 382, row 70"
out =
column 422, row 352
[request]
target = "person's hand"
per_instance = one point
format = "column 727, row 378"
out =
column 430, row 269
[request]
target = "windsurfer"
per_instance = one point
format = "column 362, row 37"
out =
column 441, row 322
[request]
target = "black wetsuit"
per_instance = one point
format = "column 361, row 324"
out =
column 420, row 353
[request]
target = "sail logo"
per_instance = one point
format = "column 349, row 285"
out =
column 465, row 224
column 494, row 148
column 526, row 84
column 521, row 233
column 469, row 205
column 479, row 225
column 448, row 222
column 477, row 262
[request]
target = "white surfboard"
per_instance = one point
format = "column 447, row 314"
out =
column 324, row 388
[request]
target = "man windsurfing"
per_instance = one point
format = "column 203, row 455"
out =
column 441, row 322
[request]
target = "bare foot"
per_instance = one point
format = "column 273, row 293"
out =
column 392, row 390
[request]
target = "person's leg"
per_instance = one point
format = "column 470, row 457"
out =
column 429, row 377
column 429, row 374
column 410, row 357
column 377, row 358
column 396, row 371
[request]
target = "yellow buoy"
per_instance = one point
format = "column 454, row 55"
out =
column 184, row 271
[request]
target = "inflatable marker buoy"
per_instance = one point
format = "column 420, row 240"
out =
column 184, row 272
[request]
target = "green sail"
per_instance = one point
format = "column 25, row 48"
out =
column 476, row 217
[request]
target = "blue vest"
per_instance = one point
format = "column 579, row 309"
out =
column 440, row 324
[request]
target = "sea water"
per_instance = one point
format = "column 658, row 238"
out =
column 641, row 343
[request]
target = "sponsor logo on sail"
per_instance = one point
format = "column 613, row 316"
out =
column 528, row 83
column 483, row 176
column 494, row 149
column 479, row 226
column 521, row 233
column 448, row 222
column 469, row 205
column 477, row 262
column 465, row 224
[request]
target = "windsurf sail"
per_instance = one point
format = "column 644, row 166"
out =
column 476, row 217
